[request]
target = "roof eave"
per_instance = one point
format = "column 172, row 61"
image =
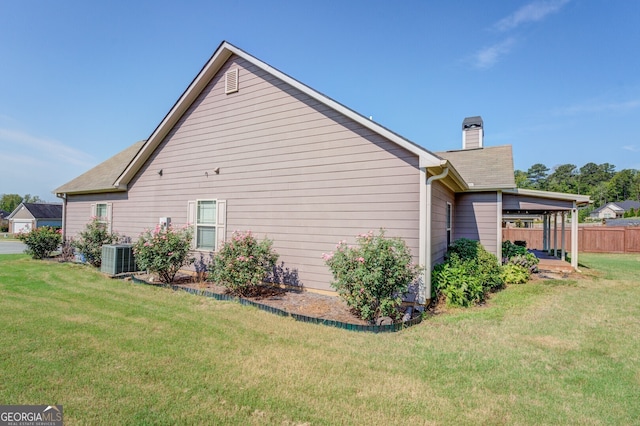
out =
column 90, row 191
column 579, row 199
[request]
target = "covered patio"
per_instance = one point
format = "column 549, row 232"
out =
column 554, row 208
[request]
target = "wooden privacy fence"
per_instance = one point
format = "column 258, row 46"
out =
column 593, row 239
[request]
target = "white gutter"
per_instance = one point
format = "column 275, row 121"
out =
column 426, row 294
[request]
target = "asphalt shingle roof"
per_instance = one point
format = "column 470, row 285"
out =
column 44, row 210
column 484, row 168
column 102, row 177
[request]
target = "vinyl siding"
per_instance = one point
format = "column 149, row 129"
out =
column 440, row 196
column 23, row 213
column 475, row 217
column 291, row 169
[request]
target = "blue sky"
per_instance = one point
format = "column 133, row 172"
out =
column 557, row 79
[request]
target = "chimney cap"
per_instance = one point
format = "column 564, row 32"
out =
column 471, row 122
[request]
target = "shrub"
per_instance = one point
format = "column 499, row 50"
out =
column 242, row 263
column 528, row 261
column 91, row 240
column 510, row 249
column 465, row 248
column 514, row 274
column 454, row 281
column 481, row 263
column 468, row 273
column 372, row 277
column 41, row 241
column 163, row 251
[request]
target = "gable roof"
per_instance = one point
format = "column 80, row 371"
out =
column 484, row 168
column 220, row 56
column 4, row 214
column 628, row 205
column 41, row 210
column 618, row 206
column 102, row 177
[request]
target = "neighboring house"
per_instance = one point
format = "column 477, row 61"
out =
column 246, row 147
column 29, row 216
column 615, row 210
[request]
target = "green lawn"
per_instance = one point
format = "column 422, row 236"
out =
column 112, row 352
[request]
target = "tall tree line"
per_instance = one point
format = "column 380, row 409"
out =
column 8, row 202
column 600, row 181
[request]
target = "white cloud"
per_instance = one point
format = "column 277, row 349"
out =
column 593, row 107
column 488, row 56
column 37, row 165
column 631, row 148
column 531, row 12
column 43, row 148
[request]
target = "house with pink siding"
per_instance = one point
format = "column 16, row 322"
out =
column 247, row 147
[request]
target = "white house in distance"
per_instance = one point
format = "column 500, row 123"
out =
column 615, row 210
column 247, row 147
column 28, row 216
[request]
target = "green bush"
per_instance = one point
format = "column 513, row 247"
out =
column 468, row 273
column 41, row 241
column 163, row 251
column 456, row 283
column 242, row 263
column 91, row 240
column 528, row 261
column 514, row 274
column 373, row 276
column 464, row 248
column 482, row 263
column 510, row 249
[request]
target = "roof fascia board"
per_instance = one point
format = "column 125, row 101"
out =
column 453, row 175
column 580, row 199
column 224, row 52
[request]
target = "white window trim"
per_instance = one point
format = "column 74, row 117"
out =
column 449, row 222
column 108, row 219
column 220, row 225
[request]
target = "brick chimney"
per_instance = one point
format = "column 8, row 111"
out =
column 472, row 132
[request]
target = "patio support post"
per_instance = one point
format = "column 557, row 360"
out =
column 563, row 253
column 544, row 232
column 574, row 236
column 555, row 234
column 548, row 234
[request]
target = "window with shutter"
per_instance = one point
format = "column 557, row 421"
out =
column 208, row 219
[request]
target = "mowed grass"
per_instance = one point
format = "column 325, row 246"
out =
column 113, row 352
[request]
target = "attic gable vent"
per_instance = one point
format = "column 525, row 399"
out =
column 231, row 81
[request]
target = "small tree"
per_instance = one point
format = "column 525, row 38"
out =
column 242, row 263
column 41, row 241
column 163, row 251
column 372, row 277
column 91, row 240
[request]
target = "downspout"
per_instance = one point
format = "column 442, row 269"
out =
column 63, row 196
column 427, row 261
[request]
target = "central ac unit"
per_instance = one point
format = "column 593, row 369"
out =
column 117, row 259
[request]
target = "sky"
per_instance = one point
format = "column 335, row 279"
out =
column 559, row 80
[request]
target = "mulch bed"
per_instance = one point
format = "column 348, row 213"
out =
column 293, row 301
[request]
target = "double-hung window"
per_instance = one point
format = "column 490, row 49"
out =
column 206, row 225
column 102, row 213
column 208, row 220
